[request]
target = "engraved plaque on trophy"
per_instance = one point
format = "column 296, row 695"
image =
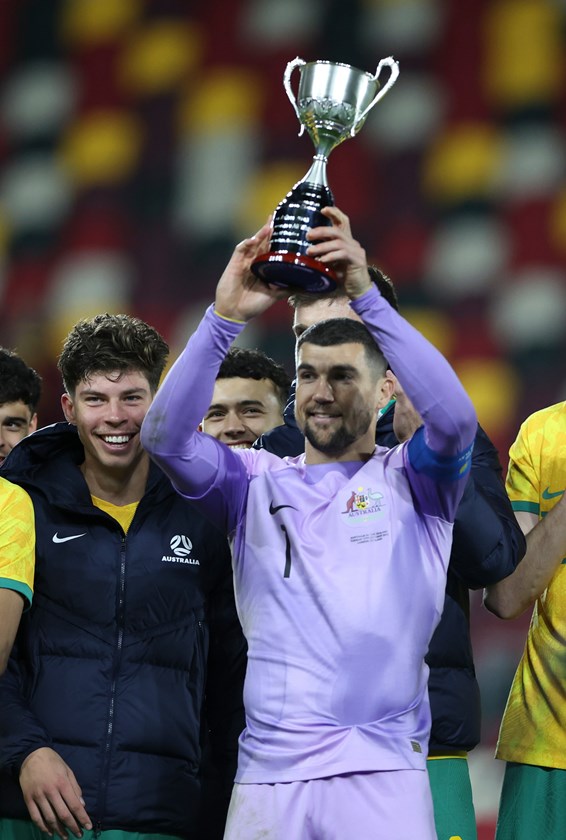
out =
column 332, row 103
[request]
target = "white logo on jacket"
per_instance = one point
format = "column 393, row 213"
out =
column 181, row 546
column 57, row 539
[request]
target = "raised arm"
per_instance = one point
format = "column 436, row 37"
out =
column 432, row 386
column 428, row 380
column 199, row 466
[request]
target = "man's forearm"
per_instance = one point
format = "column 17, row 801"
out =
column 11, row 606
column 546, row 547
column 185, row 394
column 426, row 377
column 169, row 429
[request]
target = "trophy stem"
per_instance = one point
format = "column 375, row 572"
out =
column 317, row 172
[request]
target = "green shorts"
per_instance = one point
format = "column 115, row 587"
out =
column 26, row 830
column 454, row 815
column 533, row 803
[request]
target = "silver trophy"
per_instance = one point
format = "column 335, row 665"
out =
column 332, row 104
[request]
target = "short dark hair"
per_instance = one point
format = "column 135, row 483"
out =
column 108, row 343
column 336, row 331
column 385, row 286
column 18, row 382
column 381, row 280
column 254, row 364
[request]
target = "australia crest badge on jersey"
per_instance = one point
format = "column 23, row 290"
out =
column 360, row 505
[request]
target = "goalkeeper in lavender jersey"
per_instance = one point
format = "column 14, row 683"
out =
column 339, row 555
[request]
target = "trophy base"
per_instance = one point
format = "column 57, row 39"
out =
column 294, row 271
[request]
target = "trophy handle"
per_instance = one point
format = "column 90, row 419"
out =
column 393, row 73
column 297, row 62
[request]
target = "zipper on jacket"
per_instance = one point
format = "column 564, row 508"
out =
column 105, row 768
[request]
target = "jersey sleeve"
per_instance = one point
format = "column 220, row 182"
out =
column 438, row 456
column 17, row 540
column 430, row 383
column 201, row 468
column 523, row 476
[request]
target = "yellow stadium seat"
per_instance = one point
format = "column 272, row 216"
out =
column 160, row 56
column 102, row 147
column 90, row 22
column 463, row 163
column 524, row 48
column 493, row 387
column 434, row 325
column 558, row 222
column 225, row 97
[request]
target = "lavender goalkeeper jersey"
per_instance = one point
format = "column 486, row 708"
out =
column 339, row 569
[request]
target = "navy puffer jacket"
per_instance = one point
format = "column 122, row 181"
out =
column 110, row 664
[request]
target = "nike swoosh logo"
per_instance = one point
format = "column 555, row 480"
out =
column 57, row 539
column 546, row 494
column 273, row 509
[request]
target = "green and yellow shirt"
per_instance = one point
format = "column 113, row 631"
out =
column 533, row 730
column 17, row 540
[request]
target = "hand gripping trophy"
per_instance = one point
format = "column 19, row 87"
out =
column 332, row 104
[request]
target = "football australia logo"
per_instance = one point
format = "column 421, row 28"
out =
column 361, row 506
column 181, row 548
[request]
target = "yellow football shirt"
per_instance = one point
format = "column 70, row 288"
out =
column 17, row 540
column 123, row 514
column 533, row 730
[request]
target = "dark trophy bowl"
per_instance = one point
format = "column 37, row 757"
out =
column 287, row 263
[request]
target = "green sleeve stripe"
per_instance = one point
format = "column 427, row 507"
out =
column 18, row 586
column 529, row 507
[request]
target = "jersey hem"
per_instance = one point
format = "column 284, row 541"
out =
column 294, row 774
column 528, row 507
column 531, row 760
column 18, row 586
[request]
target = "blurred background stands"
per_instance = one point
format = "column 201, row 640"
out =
column 140, row 139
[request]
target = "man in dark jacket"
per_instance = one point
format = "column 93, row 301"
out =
column 131, row 658
column 487, row 546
